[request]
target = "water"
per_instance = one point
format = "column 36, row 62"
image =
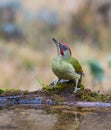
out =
column 96, row 121
column 34, row 119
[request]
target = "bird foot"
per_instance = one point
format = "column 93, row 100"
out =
column 53, row 84
column 56, row 82
column 76, row 89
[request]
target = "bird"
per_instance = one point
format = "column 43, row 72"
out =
column 66, row 67
column 96, row 70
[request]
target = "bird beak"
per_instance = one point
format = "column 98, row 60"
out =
column 57, row 42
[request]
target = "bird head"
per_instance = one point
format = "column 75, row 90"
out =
column 62, row 49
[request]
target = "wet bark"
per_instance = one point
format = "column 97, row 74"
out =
column 18, row 100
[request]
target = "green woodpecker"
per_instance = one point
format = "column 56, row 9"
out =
column 65, row 66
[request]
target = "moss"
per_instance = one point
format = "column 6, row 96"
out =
column 88, row 95
column 58, row 98
column 47, row 88
column 66, row 89
column 60, row 88
column 12, row 92
column 1, row 91
column 61, row 93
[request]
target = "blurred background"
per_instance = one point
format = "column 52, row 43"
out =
column 26, row 47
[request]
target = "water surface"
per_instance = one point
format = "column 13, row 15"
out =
column 34, row 119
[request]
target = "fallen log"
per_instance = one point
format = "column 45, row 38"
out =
column 88, row 104
column 19, row 100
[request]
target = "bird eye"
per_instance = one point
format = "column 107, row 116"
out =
column 65, row 48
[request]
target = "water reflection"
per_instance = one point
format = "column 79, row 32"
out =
column 31, row 119
column 67, row 121
column 96, row 121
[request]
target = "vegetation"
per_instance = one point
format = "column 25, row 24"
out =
column 84, row 94
column 2, row 91
column 12, row 92
column 61, row 93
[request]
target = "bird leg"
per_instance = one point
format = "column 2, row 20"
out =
column 76, row 86
column 54, row 83
column 58, row 81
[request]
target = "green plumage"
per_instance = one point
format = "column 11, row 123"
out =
column 67, row 69
column 76, row 65
column 65, row 66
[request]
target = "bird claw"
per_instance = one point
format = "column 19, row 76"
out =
column 76, row 89
column 53, row 84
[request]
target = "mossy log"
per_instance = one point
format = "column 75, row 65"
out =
column 39, row 101
column 63, row 95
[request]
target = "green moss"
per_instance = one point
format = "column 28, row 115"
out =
column 66, row 89
column 88, row 95
column 62, row 92
column 47, row 88
column 12, row 92
column 1, row 91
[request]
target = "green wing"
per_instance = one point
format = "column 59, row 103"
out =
column 76, row 65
